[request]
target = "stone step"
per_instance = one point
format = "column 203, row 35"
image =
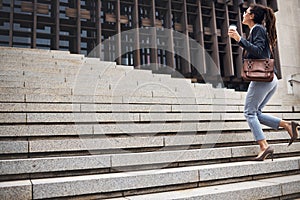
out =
column 115, row 76
column 79, row 87
column 39, row 98
column 135, row 108
column 40, row 70
column 248, row 190
column 16, row 189
column 112, row 97
column 18, row 51
column 90, row 143
column 118, row 161
column 182, row 87
column 34, row 64
column 37, row 83
column 48, row 84
column 61, row 129
column 135, row 74
column 10, row 83
column 162, row 77
column 126, row 67
column 36, row 53
column 52, row 67
column 85, row 128
column 21, row 77
column 103, row 68
column 24, row 90
column 128, row 117
column 157, row 89
column 131, row 92
column 227, row 108
column 55, row 68
column 143, row 180
column 90, row 97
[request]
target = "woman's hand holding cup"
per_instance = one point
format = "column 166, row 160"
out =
column 233, row 33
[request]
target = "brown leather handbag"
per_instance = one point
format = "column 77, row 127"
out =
column 261, row 70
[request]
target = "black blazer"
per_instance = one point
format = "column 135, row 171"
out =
column 257, row 44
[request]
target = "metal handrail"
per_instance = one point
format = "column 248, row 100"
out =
column 291, row 82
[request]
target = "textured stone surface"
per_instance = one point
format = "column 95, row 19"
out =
column 12, row 107
column 61, row 89
column 17, row 190
column 205, row 108
column 71, row 99
column 221, row 126
column 292, row 116
column 278, row 165
column 65, row 84
column 38, row 107
column 129, row 159
column 243, row 191
column 275, row 135
column 222, row 171
column 159, row 100
column 216, row 137
column 36, row 165
column 14, row 90
column 94, row 144
column 8, row 83
column 82, row 117
column 54, row 67
column 12, row 98
column 125, row 108
column 52, row 107
column 227, row 170
column 245, row 151
column 266, row 188
column 138, row 74
column 12, row 117
column 165, row 177
column 47, row 188
column 297, row 108
column 283, row 148
column 179, row 116
column 11, row 147
column 167, row 157
column 153, row 128
column 45, row 130
column 281, row 108
column 289, row 184
column 124, row 91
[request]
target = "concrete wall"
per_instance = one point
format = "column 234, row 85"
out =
column 288, row 30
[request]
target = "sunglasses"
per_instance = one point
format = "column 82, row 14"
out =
column 245, row 13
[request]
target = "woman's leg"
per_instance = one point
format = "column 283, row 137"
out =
column 265, row 119
column 263, row 144
column 258, row 95
column 270, row 120
column 287, row 126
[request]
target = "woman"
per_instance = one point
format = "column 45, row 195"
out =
column 259, row 44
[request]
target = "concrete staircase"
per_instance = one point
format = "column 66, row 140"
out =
column 73, row 127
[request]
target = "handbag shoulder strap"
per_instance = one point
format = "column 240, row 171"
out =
column 244, row 53
column 272, row 52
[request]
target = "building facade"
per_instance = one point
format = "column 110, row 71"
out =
column 81, row 26
column 288, row 30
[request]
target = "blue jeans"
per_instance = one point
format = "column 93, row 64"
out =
column 258, row 95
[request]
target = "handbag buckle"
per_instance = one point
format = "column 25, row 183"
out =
column 267, row 63
column 250, row 64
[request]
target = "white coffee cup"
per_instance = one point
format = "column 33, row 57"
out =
column 232, row 27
